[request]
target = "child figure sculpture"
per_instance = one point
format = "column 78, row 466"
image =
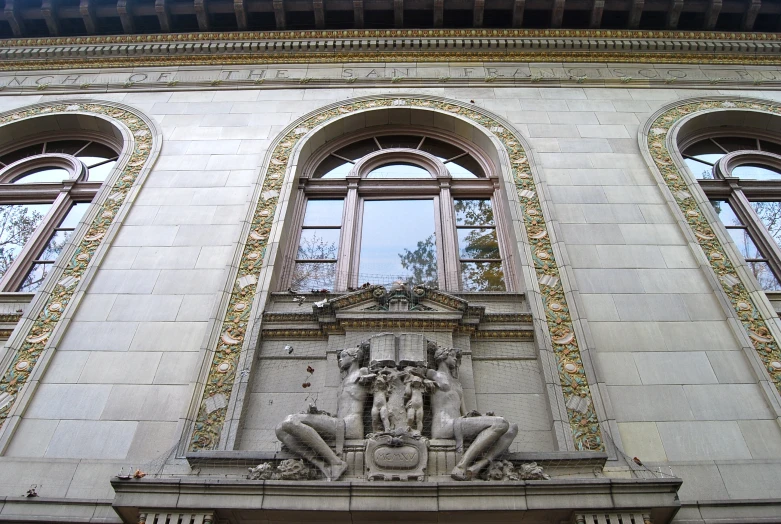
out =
column 380, row 389
column 415, row 384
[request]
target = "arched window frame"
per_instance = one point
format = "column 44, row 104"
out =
column 355, row 189
column 740, row 192
column 76, row 188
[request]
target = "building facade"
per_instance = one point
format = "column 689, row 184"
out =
column 385, row 275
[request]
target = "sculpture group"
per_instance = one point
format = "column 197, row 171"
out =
column 401, row 371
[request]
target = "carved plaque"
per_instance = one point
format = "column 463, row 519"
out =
column 404, row 457
column 391, row 457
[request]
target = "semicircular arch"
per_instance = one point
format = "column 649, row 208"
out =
column 217, row 410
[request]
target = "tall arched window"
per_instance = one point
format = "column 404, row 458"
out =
column 398, row 205
column 46, row 186
column 740, row 172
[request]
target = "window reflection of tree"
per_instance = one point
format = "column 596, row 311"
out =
column 315, row 275
column 17, row 224
column 421, row 263
column 745, row 168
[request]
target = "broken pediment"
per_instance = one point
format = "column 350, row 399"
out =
column 399, row 306
column 399, row 298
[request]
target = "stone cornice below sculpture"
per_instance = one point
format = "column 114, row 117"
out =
column 534, row 501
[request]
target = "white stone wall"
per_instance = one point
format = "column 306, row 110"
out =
column 679, row 388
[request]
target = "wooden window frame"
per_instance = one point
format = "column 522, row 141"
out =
column 739, row 192
column 355, row 189
column 61, row 195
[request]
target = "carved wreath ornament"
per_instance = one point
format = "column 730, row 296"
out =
column 34, row 341
column 219, row 384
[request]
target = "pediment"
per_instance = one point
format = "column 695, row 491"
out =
column 400, row 298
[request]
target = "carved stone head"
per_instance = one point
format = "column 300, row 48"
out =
column 350, row 355
column 450, row 356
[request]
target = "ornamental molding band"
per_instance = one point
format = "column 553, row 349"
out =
column 399, row 45
column 222, row 374
column 743, row 298
column 35, row 336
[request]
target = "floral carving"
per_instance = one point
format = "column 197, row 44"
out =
column 577, row 394
column 34, row 342
column 682, row 188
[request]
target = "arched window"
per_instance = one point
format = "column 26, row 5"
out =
column 393, row 206
column 740, row 173
column 45, row 188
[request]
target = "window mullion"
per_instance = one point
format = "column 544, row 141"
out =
column 767, row 245
column 348, row 241
column 21, row 265
column 450, row 264
column 291, row 252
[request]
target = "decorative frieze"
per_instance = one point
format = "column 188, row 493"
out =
column 682, row 187
column 575, row 387
column 34, row 341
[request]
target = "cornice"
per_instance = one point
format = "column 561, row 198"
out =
column 425, row 45
column 390, row 33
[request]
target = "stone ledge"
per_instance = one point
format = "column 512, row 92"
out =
column 551, row 501
column 45, row 509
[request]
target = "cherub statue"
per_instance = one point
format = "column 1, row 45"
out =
column 415, row 384
column 381, row 389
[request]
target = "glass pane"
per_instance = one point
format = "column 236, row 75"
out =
column 17, row 223
column 74, row 215
column 323, row 213
column 705, row 150
column 477, row 243
column 43, row 175
column 771, row 147
column 482, row 276
column 465, row 167
column 35, row 277
column 65, row 147
column 95, row 153
column 474, row 213
column 725, row 212
column 767, row 280
column 770, row 215
column 55, row 244
column 19, row 154
column 737, row 143
column 408, row 141
column 756, row 172
column 309, row 276
column 700, row 170
column 399, row 170
column 744, row 242
column 101, row 172
column 318, row 244
column 358, row 149
column 333, row 167
column 407, row 250
column 441, row 150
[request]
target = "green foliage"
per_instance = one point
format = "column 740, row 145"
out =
column 17, row 224
column 422, row 262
